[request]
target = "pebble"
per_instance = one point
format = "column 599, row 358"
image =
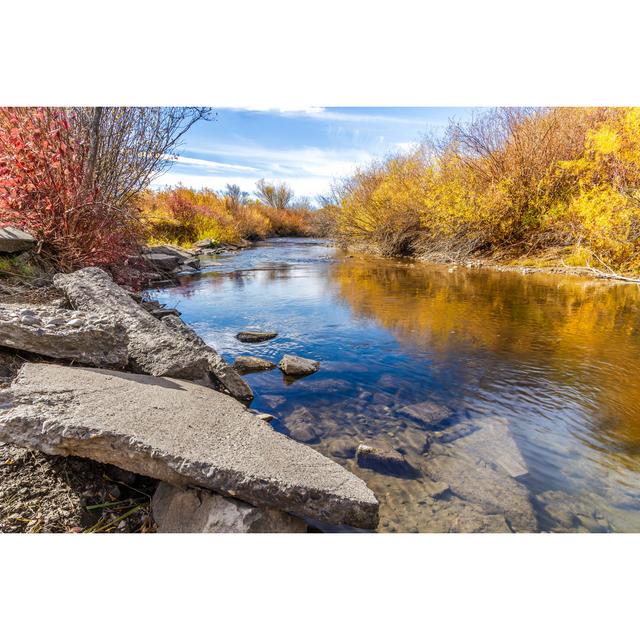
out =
column 76, row 322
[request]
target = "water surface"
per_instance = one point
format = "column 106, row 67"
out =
column 542, row 370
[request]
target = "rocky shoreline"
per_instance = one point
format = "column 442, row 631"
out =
column 101, row 384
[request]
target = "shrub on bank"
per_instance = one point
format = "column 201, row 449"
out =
column 43, row 189
column 511, row 182
column 183, row 216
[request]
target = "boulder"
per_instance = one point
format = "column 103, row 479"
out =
column 208, row 243
column 14, row 240
column 387, row 461
column 256, row 336
column 297, row 366
column 250, row 364
column 152, row 346
column 224, row 376
column 59, row 333
column 193, row 510
column 179, row 432
column 168, row 250
column 267, row 417
column 163, row 262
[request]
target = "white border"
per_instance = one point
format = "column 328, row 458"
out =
column 299, row 54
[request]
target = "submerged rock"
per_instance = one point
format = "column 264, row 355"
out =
column 298, row 366
column 250, row 364
column 387, row 461
column 14, row 240
column 191, row 510
column 481, row 468
column 256, row 336
column 181, row 433
column 426, row 412
column 490, row 440
column 59, row 333
column 301, row 424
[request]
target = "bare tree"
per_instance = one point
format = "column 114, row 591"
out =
column 130, row 146
column 276, row 195
column 235, row 197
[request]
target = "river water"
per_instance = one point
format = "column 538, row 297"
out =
column 515, row 399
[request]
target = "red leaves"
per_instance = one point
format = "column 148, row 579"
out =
column 42, row 161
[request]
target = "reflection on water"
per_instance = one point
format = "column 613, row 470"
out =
column 535, row 377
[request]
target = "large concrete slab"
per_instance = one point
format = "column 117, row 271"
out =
column 154, row 347
column 59, row 333
column 179, row 432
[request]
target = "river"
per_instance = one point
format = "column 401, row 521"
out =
column 515, row 398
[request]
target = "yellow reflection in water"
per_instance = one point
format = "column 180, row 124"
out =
column 582, row 334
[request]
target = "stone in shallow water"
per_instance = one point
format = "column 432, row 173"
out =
column 298, row 366
column 426, row 412
column 302, row 426
column 479, row 469
column 384, row 461
column 251, row 364
column 256, row 336
column 179, row 432
column 192, row 510
column 490, row 440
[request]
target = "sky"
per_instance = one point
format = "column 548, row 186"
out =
column 306, row 148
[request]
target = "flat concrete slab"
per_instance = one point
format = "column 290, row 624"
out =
column 179, row 432
column 59, row 333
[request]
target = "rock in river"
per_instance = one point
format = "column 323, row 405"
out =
column 250, row 364
column 179, row 432
column 297, row 366
column 426, row 412
column 302, row 426
column 385, row 461
column 191, row 510
column 256, row 336
column 59, row 333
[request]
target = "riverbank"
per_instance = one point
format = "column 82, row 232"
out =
column 135, row 410
column 544, row 264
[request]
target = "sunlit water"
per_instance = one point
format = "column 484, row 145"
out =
column 553, row 361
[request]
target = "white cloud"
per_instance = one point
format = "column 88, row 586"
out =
column 212, row 164
column 288, row 163
column 302, row 186
column 322, row 113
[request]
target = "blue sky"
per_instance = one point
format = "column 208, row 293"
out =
column 307, row 148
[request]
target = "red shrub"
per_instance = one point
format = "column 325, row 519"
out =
column 43, row 189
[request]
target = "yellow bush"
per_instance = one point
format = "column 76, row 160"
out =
column 512, row 181
column 183, row 216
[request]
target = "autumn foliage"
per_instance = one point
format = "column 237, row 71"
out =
column 183, row 216
column 510, row 183
column 44, row 188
